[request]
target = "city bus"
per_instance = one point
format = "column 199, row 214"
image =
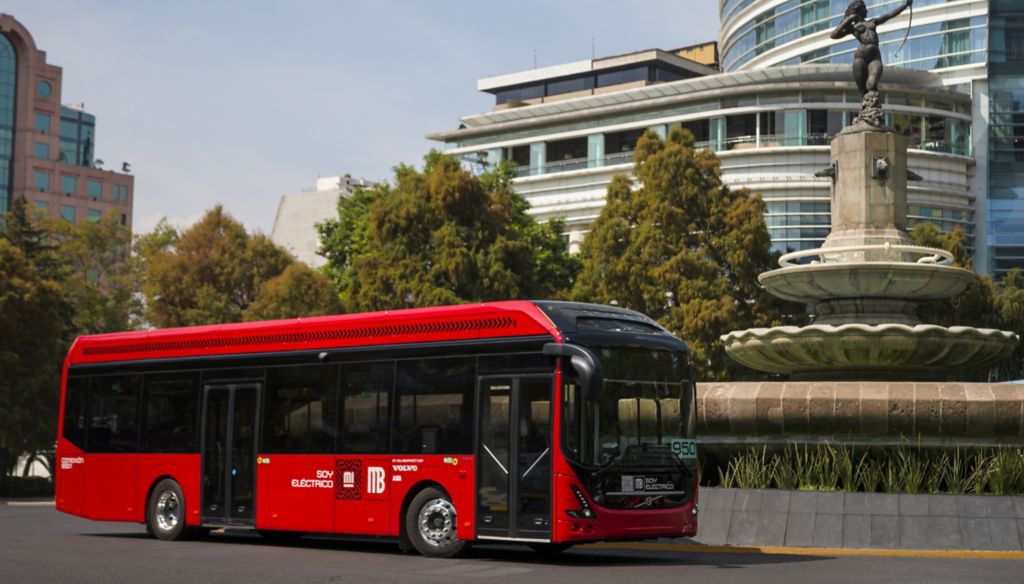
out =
column 543, row 423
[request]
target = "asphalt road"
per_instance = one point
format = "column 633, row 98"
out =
column 38, row 544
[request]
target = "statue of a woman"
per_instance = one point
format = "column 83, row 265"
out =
column 867, row 63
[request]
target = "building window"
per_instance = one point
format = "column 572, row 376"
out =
column 41, row 151
column 67, row 213
column 42, row 180
column 43, row 122
column 95, row 189
column 42, row 208
column 124, row 219
column 94, row 215
column 45, row 89
column 68, row 185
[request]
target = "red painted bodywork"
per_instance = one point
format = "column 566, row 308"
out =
column 115, row 487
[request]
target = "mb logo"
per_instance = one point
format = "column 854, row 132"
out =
column 375, row 480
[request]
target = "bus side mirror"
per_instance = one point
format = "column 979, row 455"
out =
column 586, row 364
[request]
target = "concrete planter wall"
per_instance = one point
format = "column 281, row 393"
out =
column 750, row 517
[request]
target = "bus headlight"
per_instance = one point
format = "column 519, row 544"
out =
column 584, row 512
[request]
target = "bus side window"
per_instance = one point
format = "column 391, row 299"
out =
column 300, row 409
column 435, row 406
column 169, row 413
column 365, row 389
column 114, row 413
column 74, row 410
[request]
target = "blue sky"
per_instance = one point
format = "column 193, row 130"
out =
column 241, row 102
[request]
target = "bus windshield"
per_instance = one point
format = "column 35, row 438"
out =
column 642, row 415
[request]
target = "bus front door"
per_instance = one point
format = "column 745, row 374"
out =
column 229, row 453
column 514, row 458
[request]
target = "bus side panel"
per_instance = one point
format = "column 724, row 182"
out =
column 363, row 489
column 295, row 492
column 70, row 476
column 183, row 468
column 456, row 474
column 110, row 487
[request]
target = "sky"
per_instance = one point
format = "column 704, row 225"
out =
column 241, row 102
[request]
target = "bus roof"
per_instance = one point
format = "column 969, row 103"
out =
column 490, row 320
column 416, row 325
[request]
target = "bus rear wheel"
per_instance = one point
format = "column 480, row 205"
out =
column 165, row 512
column 430, row 523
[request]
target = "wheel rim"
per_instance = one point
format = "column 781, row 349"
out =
column 437, row 523
column 167, row 507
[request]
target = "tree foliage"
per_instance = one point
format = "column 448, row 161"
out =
column 985, row 303
column 298, row 291
column 678, row 245
column 442, row 236
column 208, row 274
column 33, row 321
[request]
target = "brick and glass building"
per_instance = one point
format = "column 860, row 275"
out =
column 47, row 150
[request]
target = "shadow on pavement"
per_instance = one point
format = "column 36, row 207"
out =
column 512, row 553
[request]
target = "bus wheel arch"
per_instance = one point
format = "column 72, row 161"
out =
column 411, row 498
column 166, row 494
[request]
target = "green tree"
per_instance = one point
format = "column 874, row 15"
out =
column 102, row 282
column 442, row 236
column 210, row 273
column 298, row 291
column 977, row 304
column 679, row 246
column 32, row 318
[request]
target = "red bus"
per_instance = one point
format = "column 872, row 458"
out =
column 546, row 423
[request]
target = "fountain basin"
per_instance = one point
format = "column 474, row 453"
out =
column 860, row 351
column 812, row 283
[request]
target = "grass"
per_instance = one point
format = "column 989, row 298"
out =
column 902, row 469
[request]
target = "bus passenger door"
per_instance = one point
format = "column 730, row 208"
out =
column 229, row 453
column 513, row 456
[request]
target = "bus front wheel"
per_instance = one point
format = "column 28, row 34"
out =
column 165, row 512
column 430, row 523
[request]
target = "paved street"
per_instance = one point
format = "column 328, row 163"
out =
column 37, row 544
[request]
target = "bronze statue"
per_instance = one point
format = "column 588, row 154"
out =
column 867, row 63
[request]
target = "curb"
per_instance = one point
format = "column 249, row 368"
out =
column 46, row 503
column 798, row 551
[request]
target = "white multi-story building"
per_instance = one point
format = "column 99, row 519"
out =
column 954, row 89
column 771, row 128
column 297, row 215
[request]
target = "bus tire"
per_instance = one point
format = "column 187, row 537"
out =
column 549, row 549
column 165, row 512
column 431, row 524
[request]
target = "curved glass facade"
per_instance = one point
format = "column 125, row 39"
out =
column 930, row 46
column 8, row 78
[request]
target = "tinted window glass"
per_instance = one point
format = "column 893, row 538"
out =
column 114, row 413
column 169, row 413
column 435, row 405
column 300, row 411
column 74, row 411
column 515, row 362
column 365, row 393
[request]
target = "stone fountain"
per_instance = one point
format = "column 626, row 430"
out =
column 864, row 285
column 868, row 278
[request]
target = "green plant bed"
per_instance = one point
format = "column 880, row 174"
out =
column 901, row 469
